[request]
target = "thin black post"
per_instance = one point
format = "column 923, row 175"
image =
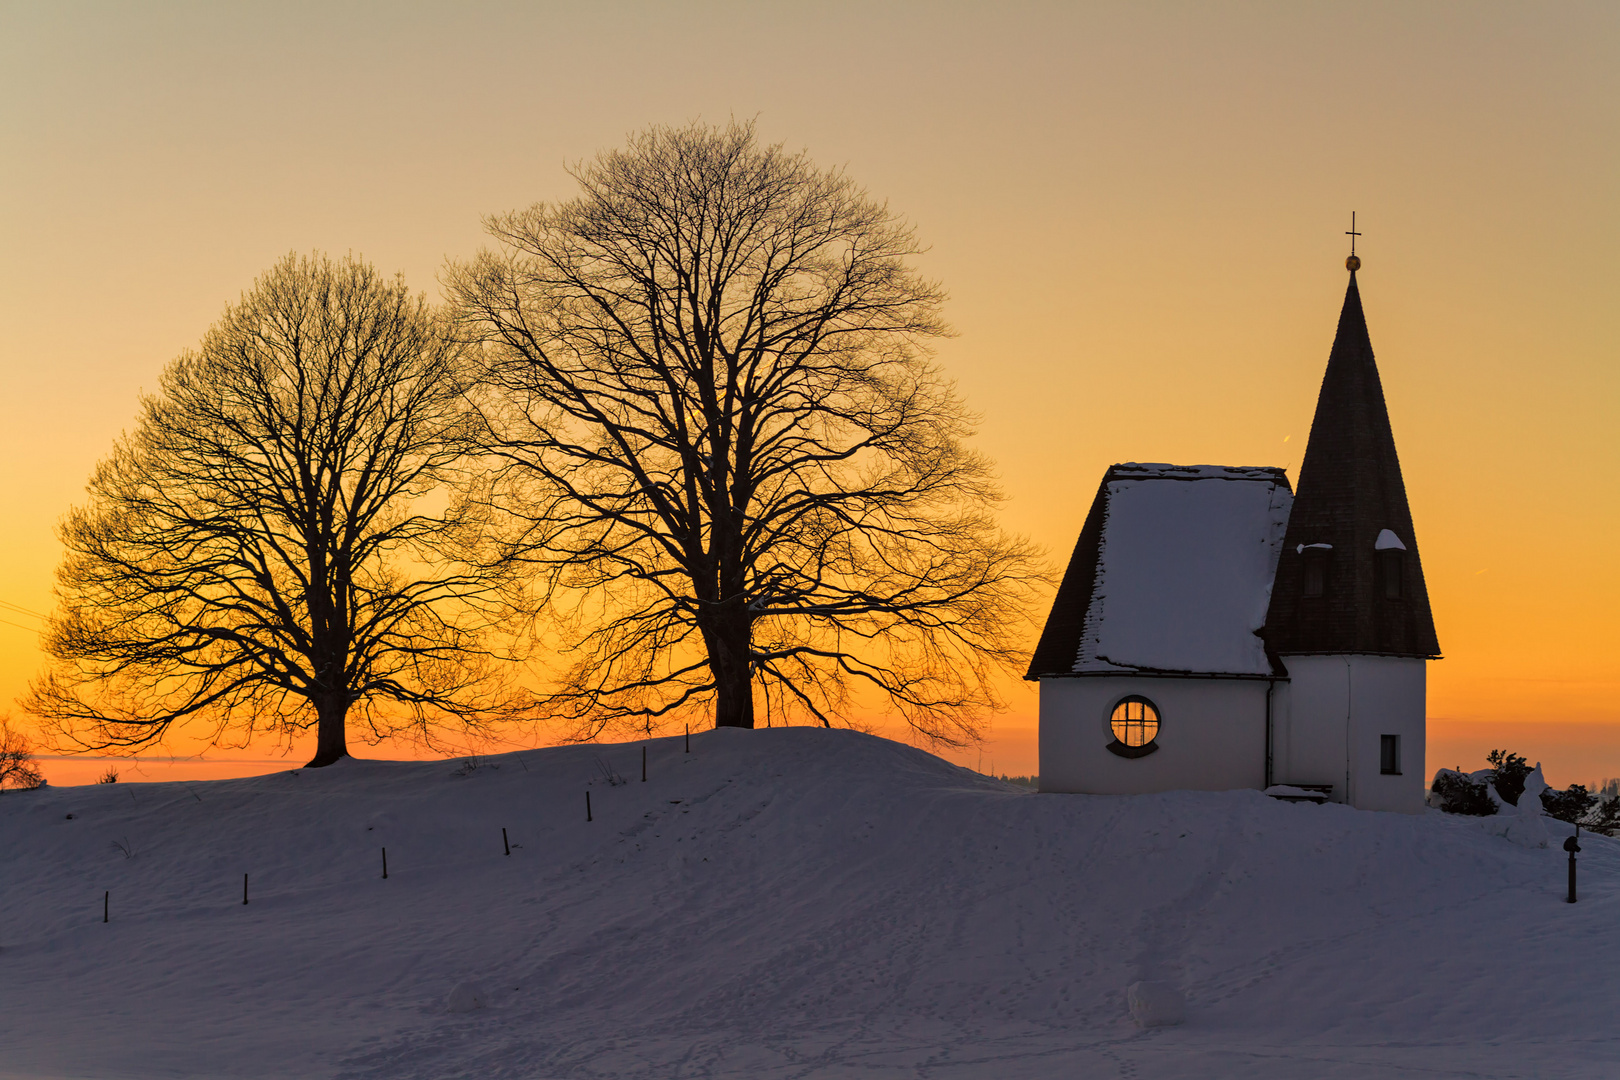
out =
column 587, row 806
column 244, row 888
column 505, row 843
column 643, row 764
column 1572, row 845
column 106, row 905
column 385, row 864
column 688, row 738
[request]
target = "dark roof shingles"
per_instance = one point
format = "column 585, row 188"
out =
column 1060, row 640
column 1350, row 489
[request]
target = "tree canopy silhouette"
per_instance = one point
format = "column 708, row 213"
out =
column 17, row 768
column 742, row 484
column 270, row 546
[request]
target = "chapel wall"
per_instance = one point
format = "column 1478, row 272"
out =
column 1309, row 714
column 1390, row 695
column 1329, row 722
column 1212, row 735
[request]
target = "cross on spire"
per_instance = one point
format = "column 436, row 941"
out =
column 1352, row 234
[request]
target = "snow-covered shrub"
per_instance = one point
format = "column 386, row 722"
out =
column 1458, row 792
column 1487, row 791
column 1588, row 809
column 1605, row 816
column 1508, row 773
column 17, row 768
column 1572, row 804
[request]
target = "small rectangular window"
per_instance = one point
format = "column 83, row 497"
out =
column 1315, row 574
column 1389, row 568
column 1389, row 755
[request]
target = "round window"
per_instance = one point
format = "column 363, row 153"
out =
column 1135, row 722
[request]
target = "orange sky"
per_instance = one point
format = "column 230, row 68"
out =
column 1138, row 211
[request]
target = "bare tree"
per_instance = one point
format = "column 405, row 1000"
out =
column 741, row 481
column 268, row 548
column 17, row 768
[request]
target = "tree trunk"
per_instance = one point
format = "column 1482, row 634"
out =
column 331, row 743
column 729, row 649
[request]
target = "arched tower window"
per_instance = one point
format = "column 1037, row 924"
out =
column 1389, row 573
column 1316, row 567
column 1390, row 552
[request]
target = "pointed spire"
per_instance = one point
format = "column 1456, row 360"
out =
column 1350, row 579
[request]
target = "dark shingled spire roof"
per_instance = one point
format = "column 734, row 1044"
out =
column 1364, row 593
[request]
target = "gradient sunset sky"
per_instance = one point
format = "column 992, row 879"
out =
column 1138, row 209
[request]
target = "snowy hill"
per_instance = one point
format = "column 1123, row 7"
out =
column 779, row 903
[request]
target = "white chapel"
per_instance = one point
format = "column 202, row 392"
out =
column 1216, row 629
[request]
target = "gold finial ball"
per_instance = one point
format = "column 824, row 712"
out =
column 1352, row 264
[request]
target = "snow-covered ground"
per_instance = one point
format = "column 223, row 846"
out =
column 780, row 903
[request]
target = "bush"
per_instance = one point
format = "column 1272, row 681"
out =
column 1605, row 817
column 17, row 768
column 1509, row 771
column 1455, row 792
column 1572, row 804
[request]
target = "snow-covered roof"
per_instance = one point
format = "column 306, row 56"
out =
column 1172, row 574
column 1132, row 470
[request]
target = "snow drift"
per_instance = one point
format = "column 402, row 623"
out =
column 778, row 903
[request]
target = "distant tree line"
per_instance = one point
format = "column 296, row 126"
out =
column 679, row 436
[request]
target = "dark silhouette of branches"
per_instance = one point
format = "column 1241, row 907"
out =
column 742, row 484
column 17, row 768
column 271, row 546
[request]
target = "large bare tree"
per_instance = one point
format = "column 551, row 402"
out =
column 268, row 548
column 742, row 483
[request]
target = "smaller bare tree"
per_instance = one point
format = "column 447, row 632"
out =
column 274, row 543
column 17, row 768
